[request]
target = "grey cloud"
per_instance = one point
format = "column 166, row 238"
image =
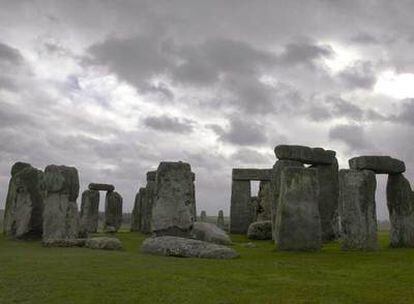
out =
column 10, row 54
column 242, row 132
column 169, row 124
column 304, row 53
column 360, row 75
column 352, row 135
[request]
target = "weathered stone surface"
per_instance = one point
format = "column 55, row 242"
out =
column 89, row 215
column 151, row 175
column 24, row 203
column 60, row 215
column 378, row 164
column 242, row 211
column 113, row 212
column 62, row 180
column 173, row 208
column 260, row 230
column 136, row 214
column 275, row 187
column 328, row 199
column 105, row 243
column 298, row 222
column 64, row 243
column 264, row 202
column 187, row 248
column 203, row 216
column 251, row 174
column 400, row 201
column 357, row 209
column 210, row 233
column 220, row 219
column 101, row 187
column 305, row 154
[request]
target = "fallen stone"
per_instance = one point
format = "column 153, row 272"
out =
column 378, row 164
column 173, row 208
column 89, row 215
column 249, row 245
column 187, row 248
column 357, row 209
column 400, row 201
column 105, row 243
column 113, row 212
column 260, row 230
column 23, row 216
column 210, row 233
column 64, row 243
column 298, row 222
column 60, row 215
column 101, row 187
column 306, row 155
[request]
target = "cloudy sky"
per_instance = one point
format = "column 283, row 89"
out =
column 114, row 87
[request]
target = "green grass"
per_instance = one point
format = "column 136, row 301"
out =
column 30, row 273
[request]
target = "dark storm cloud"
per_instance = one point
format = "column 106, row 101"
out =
column 169, row 124
column 10, row 54
column 304, row 53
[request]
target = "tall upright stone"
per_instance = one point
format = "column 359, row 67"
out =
column 400, row 201
column 146, row 210
column 220, row 219
column 113, row 211
column 89, row 215
column 172, row 212
column 136, row 214
column 275, row 187
column 60, row 215
column 357, row 209
column 203, row 216
column 24, row 203
column 264, row 206
column 298, row 221
column 328, row 199
column 241, row 209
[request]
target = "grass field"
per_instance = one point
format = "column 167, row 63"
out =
column 30, row 273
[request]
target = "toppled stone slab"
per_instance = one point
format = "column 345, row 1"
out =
column 208, row 232
column 298, row 222
column 260, row 230
column 113, row 212
column 64, row 243
column 89, row 215
column 357, row 209
column 23, row 216
column 400, row 201
column 378, row 164
column 306, row 155
column 173, row 208
column 105, row 243
column 251, row 174
column 60, row 215
column 186, row 248
column 101, row 187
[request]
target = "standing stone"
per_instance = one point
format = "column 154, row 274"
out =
column 275, row 187
column 400, row 201
column 203, row 216
column 194, row 214
column 147, row 202
column 136, row 214
column 24, row 203
column 60, row 215
column 172, row 212
column 298, row 222
column 264, row 206
column 89, row 215
column 241, row 209
column 113, row 212
column 328, row 199
column 220, row 219
column 357, row 209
